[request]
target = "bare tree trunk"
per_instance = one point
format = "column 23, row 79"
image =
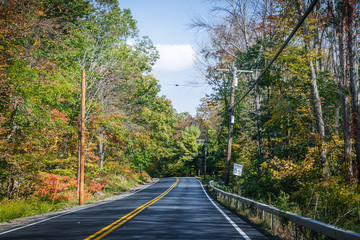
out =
column 354, row 79
column 316, row 101
column 337, row 116
column 101, row 147
column 319, row 116
column 12, row 122
column 344, row 95
column 257, row 112
column 339, row 25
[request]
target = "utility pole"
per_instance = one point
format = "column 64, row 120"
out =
column 82, row 139
column 207, row 136
column 234, row 84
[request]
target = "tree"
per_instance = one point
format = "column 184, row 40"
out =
column 350, row 9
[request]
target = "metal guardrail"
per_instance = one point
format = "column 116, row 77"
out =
column 311, row 224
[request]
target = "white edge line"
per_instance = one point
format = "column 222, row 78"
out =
column 90, row 206
column 226, row 216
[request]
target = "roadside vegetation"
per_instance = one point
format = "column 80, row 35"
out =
column 57, row 192
column 44, row 46
column 296, row 134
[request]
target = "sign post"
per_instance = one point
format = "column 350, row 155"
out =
column 237, row 171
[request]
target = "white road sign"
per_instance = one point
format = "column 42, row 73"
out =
column 237, row 169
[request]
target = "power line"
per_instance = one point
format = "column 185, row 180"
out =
column 301, row 21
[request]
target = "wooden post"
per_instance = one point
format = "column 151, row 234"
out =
column 234, row 84
column 205, row 153
column 82, row 139
column 231, row 125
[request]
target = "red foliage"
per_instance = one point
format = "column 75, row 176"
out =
column 95, row 187
column 57, row 115
column 57, row 187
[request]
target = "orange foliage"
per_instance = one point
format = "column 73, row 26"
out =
column 57, row 187
column 56, row 115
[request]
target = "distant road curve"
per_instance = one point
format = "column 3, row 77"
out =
column 172, row 208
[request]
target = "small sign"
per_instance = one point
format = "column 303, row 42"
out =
column 237, row 169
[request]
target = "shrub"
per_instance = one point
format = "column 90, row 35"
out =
column 56, row 187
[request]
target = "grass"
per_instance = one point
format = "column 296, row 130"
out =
column 17, row 208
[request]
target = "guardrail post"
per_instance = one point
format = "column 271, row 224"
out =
column 271, row 221
column 295, row 231
column 312, row 235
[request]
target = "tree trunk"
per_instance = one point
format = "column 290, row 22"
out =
column 12, row 122
column 316, row 101
column 337, row 116
column 319, row 116
column 354, row 79
column 339, row 25
column 257, row 117
column 101, row 147
column 344, row 95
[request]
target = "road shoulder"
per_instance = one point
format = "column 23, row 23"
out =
column 5, row 226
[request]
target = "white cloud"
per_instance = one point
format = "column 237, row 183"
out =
column 174, row 58
column 131, row 42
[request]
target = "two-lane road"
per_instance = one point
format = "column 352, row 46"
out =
column 172, row 208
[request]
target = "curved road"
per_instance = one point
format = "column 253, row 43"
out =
column 172, row 208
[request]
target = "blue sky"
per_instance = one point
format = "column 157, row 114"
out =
column 165, row 22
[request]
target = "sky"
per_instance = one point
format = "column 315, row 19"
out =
column 166, row 22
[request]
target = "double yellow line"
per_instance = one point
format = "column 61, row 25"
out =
column 108, row 229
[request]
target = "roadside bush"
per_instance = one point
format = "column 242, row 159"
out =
column 56, row 187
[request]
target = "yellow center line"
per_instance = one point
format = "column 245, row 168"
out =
column 108, row 229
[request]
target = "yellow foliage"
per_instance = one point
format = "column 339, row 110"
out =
column 281, row 169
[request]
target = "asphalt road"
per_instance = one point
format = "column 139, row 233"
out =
column 172, row 208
